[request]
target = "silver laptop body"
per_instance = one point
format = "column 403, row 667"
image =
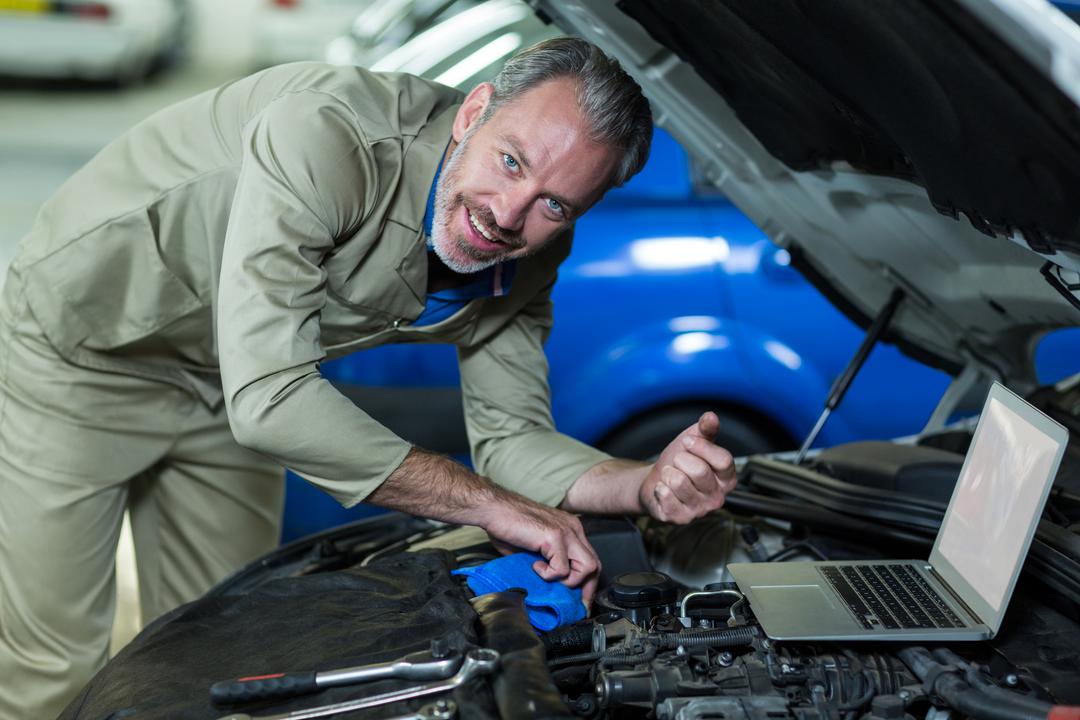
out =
column 973, row 567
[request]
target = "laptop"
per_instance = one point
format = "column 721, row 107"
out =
column 962, row 591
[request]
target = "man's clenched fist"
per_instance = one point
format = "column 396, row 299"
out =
column 692, row 476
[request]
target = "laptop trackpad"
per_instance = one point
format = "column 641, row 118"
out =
column 797, row 609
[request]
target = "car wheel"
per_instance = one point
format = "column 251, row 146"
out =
column 646, row 436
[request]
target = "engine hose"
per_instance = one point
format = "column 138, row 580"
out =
column 727, row 637
column 574, row 659
column 976, row 680
column 960, row 695
column 568, row 641
column 622, row 657
column 871, row 690
column 867, row 694
column 523, row 687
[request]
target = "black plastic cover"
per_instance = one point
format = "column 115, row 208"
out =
column 394, row 606
column 643, row 589
column 910, row 469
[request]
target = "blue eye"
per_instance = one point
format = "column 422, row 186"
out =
column 510, row 162
column 554, row 206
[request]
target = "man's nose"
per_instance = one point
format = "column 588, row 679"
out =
column 510, row 207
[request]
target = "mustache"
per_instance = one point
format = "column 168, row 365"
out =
column 510, row 238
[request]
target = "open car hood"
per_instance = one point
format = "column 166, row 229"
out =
column 927, row 145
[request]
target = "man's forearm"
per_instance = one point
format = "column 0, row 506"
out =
column 437, row 487
column 610, row 488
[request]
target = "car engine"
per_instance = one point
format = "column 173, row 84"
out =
column 669, row 635
column 652, row 650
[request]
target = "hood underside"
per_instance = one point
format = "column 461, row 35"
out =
column 926, row 145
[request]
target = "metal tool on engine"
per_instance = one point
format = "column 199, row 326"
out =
column 441, row 710
column 415, row 666
column 477, row 663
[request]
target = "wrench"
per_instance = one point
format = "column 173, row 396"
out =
column 417, row 666
column 477, row 662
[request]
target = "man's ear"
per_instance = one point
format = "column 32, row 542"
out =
column 472, row 109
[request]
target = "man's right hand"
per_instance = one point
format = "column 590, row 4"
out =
column 437, row 487
column 558, row 536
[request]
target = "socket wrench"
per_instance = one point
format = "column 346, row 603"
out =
column 477, row 662
column 416, row 666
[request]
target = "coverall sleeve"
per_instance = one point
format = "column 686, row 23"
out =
column 507, row 401
column 306, row 177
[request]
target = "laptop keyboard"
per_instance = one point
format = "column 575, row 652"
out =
column 890, row 597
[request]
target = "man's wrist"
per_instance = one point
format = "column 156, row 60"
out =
column 610, row 487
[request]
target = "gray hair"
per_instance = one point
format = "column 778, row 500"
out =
column 617, row 113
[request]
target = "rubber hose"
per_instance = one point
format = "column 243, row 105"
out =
column 980, row 683
column 573, row 659
column 628, row 658
column 726, row 637
column 961, row 696
column 568, row 641
column 523, row 686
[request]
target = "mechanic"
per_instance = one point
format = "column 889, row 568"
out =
column 162, row 327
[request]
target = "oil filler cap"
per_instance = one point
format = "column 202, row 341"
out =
column 642, row 589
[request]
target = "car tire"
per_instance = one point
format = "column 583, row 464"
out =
column 646, row 436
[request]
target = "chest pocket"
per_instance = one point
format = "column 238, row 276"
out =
column 373, row 284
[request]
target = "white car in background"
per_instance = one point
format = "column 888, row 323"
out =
column 470, row 46
column 385, row 26
column 292, row 30
column 117, row 40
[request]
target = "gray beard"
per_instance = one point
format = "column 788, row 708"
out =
column 443, row 241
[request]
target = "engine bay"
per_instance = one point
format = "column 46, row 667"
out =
column 669, row 635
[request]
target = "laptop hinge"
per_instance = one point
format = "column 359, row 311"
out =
column 952, row 593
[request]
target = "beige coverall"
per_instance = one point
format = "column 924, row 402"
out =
column 187, row 282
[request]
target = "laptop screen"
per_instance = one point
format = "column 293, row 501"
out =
column 999, row 493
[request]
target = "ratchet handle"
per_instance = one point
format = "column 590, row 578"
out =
column 261, row 687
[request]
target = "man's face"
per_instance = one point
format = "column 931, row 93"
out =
column 513, row 183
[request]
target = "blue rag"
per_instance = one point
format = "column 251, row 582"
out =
column 549, row 604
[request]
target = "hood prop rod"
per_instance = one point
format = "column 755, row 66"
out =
column 843, row 382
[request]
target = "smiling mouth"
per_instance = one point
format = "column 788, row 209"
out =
column 482, row 229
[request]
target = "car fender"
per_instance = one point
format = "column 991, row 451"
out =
column 658, row 365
